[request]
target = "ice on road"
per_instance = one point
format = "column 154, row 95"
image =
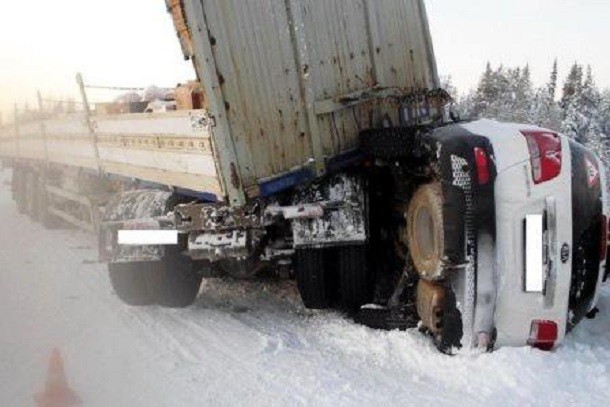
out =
column 245, row 343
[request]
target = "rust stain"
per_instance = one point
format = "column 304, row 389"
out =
column 234, row 176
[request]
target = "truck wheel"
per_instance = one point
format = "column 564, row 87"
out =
column 425, row 235
column 313, row 278
column 134, row 282
column 355, row 282
column 179, row 281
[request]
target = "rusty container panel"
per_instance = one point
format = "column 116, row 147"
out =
column 260, row 80
column 277, row 69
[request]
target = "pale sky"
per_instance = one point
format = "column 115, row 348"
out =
column 43, row 43
column 468, row 33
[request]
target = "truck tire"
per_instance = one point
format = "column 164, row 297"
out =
column 313, row 279
column 425, row 235
column 179, row 281
column 172, row 282
column 355, row 283
column 134, row 283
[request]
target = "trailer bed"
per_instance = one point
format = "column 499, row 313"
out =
column 169, row 148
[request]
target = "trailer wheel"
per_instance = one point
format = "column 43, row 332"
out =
column 20, row 190
column 30, row 194
column 313, row 278
column 179, row 281
column 355, row 281
column 15, row 184
column 43, row 215
column 172, row 282
column 425, row 235
column 40, row 201
column 134, row 282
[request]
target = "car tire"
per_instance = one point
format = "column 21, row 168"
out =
column 425, row 234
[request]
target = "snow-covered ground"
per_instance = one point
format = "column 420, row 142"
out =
column 247, row 343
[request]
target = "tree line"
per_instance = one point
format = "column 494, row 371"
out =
column 579, row 109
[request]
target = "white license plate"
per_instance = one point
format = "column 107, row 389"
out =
column 534, row 251
column 147, row 237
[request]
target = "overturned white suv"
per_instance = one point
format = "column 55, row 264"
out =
column 505, row 227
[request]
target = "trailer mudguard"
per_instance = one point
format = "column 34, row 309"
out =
column 141, row 210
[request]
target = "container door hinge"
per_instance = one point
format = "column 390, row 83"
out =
column 202, row 121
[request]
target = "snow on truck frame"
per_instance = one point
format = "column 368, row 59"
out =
column 322, row 153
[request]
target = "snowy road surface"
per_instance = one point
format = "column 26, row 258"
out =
column 246, row 343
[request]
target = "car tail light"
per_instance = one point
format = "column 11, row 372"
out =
column 543, row 334
column 603, row 239
column 482, row 161
column 545, row 154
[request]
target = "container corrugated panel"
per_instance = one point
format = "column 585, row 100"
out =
column 260, row 82
column 280, row 64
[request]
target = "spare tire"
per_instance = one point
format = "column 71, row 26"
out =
column 425, row 233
